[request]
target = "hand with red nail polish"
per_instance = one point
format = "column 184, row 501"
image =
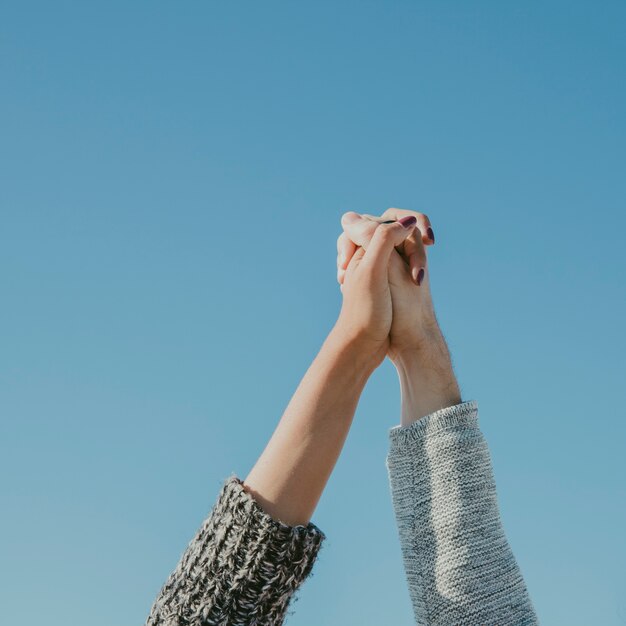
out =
column 416, row 343
column 367, row 311
column 413, row 314
column 412, row 249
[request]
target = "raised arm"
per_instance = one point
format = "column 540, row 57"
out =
column 459, row 565
column 258, row 545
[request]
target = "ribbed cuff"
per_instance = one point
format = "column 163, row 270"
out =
column 461, row 415
column 242, row 567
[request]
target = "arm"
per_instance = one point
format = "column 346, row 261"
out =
column 257, row 545
column 458, row 563
column 290, row 475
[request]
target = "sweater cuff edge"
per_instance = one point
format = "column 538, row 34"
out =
column 234, row 485
column 463, row 414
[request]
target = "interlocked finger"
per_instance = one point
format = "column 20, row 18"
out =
column 359, row 229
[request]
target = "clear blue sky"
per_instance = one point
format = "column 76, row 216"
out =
column 172, row 179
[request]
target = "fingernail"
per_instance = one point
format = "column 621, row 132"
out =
column 408, row 221
column 342, row 259
column 431, row 234
column 420, row 276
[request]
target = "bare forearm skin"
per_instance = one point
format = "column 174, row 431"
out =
column 427, row 381
column 257, row 545
column 290, row 475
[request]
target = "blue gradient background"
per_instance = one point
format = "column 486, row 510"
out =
column 172, row 179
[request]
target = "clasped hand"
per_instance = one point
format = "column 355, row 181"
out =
column 383, row 274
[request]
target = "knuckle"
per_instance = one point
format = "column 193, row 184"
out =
column 385, row 232
column 348, row 216
column 359, row 254
column 420, row 258
column 421, row 217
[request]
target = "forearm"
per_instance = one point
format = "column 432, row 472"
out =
column 427, row 380
column 290, row 475
column 257, row 545
column 458, row 563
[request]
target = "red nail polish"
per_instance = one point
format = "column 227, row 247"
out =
column 408, row 221
column 431, row 234
column 420, row 276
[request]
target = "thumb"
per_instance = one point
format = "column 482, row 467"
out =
column 386, row 237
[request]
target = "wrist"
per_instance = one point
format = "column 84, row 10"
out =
column 364, row 354
column 427, row 382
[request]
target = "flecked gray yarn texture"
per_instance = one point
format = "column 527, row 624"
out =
column 242, row 568
column 459, row 565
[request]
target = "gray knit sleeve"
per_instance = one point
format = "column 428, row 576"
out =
column 241, row 568
column 458, row 563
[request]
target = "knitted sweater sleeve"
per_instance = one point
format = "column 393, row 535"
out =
column 241, row 568
column 458, row 563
